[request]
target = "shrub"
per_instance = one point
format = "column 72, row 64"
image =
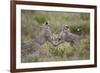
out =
column 40, row 18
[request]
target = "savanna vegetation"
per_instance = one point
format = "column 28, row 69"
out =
column 79, row 23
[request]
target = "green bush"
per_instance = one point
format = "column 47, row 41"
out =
column 40, row 18
column 80, row 29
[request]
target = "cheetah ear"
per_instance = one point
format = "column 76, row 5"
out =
column 66, row 26
column 46, row 23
